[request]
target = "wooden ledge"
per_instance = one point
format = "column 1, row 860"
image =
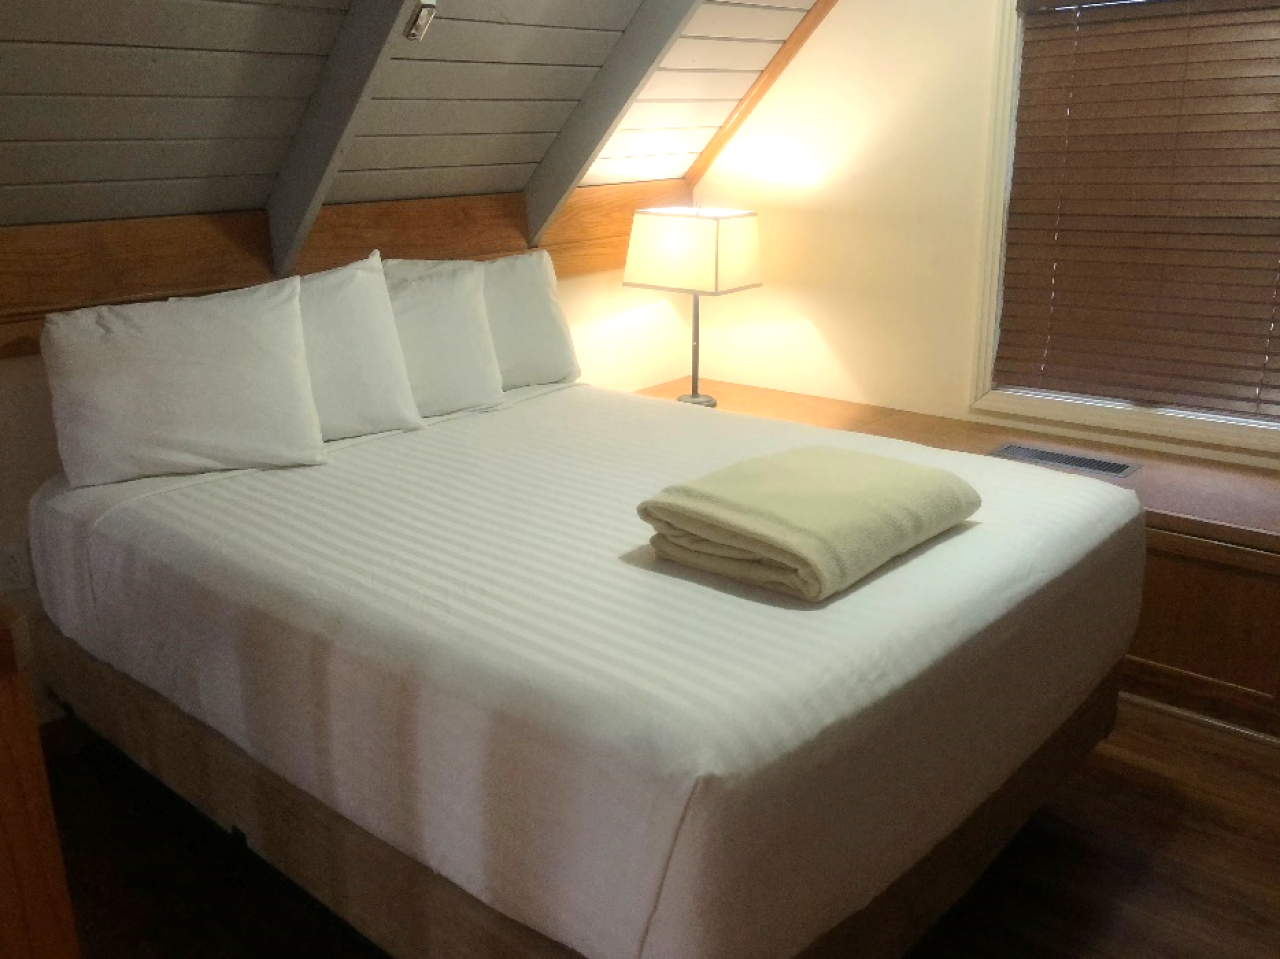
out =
column 1222, row 502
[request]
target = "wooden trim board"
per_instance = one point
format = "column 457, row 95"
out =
column 408, row 910
column 65, row 266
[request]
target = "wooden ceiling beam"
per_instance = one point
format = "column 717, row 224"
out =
column 656, row 25
column 363, row 43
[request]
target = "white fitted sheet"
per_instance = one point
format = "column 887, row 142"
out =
column 459, row 639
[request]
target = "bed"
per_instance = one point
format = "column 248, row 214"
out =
column 444, row 683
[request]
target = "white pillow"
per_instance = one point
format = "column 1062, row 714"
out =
column 212, row 383
column 530, row 335
column 357, row 368
column 444, row 333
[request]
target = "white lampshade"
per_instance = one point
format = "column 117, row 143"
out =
column 688, row 250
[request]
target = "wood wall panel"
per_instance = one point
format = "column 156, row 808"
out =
column 400, row 152
column 91, row 161
column 152, row 107
column 183, row 24
column 90, row 118
column 443, row 117
column 1212, row 611
column 698, row 85
column 365, row 186
column 614, row 15
column 122, row 199
column 488, row 42
column 64, row 266
column 695, row 53
column 667, row 115
column 414, row 79
column 70, row 265
column 52, row 68
column 449, row 228
column 724, row 21
column 35, row 909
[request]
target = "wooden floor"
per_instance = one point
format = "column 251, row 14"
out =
column 1165, row 845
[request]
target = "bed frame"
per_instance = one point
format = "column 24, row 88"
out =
column 401, row 905
column 409, row 910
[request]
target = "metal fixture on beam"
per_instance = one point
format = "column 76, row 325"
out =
column 420, row 20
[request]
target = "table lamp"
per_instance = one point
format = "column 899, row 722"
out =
column 705, row 252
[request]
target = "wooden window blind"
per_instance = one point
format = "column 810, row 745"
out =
column 1142, row 254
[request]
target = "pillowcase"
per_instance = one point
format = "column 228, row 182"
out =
column 444, row 333
column 530, row 334
column 358, row 373
column 211, row 383
column 358, row 376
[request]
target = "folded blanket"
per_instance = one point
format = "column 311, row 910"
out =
column 809, row 522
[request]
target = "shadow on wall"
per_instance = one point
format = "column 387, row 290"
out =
column 26, row 437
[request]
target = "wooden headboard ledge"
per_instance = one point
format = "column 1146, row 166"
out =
column 65, row 266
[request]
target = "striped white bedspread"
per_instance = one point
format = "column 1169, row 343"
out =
column 459, row 639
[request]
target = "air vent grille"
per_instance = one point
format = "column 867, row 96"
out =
column 1085, row 464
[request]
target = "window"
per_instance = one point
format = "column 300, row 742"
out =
column 1143, row 237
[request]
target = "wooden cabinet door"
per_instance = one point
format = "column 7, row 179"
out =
column 1211, row 618
column 35, row 909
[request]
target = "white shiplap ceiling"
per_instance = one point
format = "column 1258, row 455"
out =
column 697, row 85
column 158, row 107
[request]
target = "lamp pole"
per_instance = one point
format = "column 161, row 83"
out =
column 700, row 399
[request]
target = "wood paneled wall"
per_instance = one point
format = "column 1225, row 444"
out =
column 50, row 267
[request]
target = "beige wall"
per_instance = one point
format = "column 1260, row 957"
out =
column 869, row 164
column 626, row 339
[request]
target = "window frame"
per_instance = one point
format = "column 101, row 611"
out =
column 1209, row 435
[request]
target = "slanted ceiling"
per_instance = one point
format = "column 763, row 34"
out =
column 125, row 108
column 474, row 107
column 137, row 108
column 698, row 84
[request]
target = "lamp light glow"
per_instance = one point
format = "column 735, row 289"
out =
column 705, row 252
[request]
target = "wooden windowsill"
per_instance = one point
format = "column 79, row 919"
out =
column 1223, row 502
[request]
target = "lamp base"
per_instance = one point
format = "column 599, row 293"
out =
column 697, row 399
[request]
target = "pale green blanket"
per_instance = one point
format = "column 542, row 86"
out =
column 809, row 522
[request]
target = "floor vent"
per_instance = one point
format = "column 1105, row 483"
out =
column 1085, row 464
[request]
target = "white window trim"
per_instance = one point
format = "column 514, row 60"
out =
column 1206, row 435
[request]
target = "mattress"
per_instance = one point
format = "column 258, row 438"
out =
column 459, row 639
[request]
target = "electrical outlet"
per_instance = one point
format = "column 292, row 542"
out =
column 15, row 568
